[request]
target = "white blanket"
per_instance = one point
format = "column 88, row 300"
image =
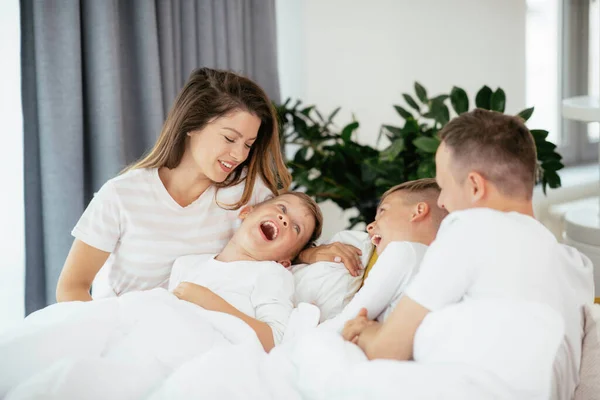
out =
column 469, row 351
column 474, row 362
column 118, row 348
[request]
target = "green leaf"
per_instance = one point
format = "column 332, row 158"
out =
column 300, row 155
column 421, row 92
column 403, row 113
column 332, row 116
column 552, row 156
column 411, row 126
column 544, row 184
column 483, row 99
column 411, row 102
column 440, row 112
column 498, row 101
column 348, row 130
column 319, row 115
column 427, row 144
column 552, row 165
column 394, row 130
column 545, row 147
column 459, row 100
column 307, row 110
column 441, row 98
column 368, row 174
column 553, row 179
column 539, row 135
column 393, row 150
column 426, row 169
column 526, row 113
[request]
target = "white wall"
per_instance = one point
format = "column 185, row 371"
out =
column 11, row 163
column 363, row 55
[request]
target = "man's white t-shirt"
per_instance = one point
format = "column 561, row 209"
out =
column 134, row 218
column 261, row 289
column 487, row 254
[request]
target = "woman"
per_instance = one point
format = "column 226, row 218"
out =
column 218, row 150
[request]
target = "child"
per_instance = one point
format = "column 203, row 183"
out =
column 277, row 229
column 406, row 223
column 152, row 333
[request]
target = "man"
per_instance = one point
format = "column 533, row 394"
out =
column 490, row 246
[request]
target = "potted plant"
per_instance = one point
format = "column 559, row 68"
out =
column 330, row 165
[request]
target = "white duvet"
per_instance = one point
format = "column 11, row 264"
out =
column 469, row 351
column 488, row 350
column 119, row 348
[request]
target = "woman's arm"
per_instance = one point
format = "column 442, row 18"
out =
column 209, row 300
column 79, row 271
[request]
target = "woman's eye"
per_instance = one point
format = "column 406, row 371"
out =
column 228, row 139
column 248, row 146
column 297, row 228
column 283, row 209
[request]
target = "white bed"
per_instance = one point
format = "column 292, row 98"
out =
column 470, row 351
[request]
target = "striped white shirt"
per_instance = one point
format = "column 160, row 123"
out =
column 134, row 218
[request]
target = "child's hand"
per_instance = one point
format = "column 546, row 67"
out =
column 197, row 294
column 356, row 326
column 336, row 252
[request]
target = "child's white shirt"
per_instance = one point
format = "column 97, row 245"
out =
column 385, row 284
column 134, row 218
column 261, row 289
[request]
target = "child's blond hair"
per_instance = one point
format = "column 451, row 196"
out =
column 421, row 190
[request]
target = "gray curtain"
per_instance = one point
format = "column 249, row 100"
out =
column 98, row 78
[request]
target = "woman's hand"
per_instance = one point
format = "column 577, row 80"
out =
column 199, row 295
column 336, row 252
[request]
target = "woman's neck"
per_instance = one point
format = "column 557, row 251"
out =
column 184, row 182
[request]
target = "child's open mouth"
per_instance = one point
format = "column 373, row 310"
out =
column 376, row 239
column 269, row 230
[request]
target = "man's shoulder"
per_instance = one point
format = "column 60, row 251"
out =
column 488, row 218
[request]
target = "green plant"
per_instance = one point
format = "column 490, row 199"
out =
column 330, row 165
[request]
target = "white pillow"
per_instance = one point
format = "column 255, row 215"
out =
column 328, row 285
column 589, row 373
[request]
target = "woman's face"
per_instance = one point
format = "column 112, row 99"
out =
column 223, row 144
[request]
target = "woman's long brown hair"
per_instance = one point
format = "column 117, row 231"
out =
column 210, row 94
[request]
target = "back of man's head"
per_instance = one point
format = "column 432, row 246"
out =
column 497, row 146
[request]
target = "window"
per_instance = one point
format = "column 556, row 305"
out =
column 593, row 128
column 542, row 89
column 562, row 45
column 11, row 162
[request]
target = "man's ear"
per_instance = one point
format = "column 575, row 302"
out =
column 477, row 186
column 244, row 211
column 420, row 211
column 285, row 263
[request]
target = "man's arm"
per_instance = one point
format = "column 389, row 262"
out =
column 394, row 338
